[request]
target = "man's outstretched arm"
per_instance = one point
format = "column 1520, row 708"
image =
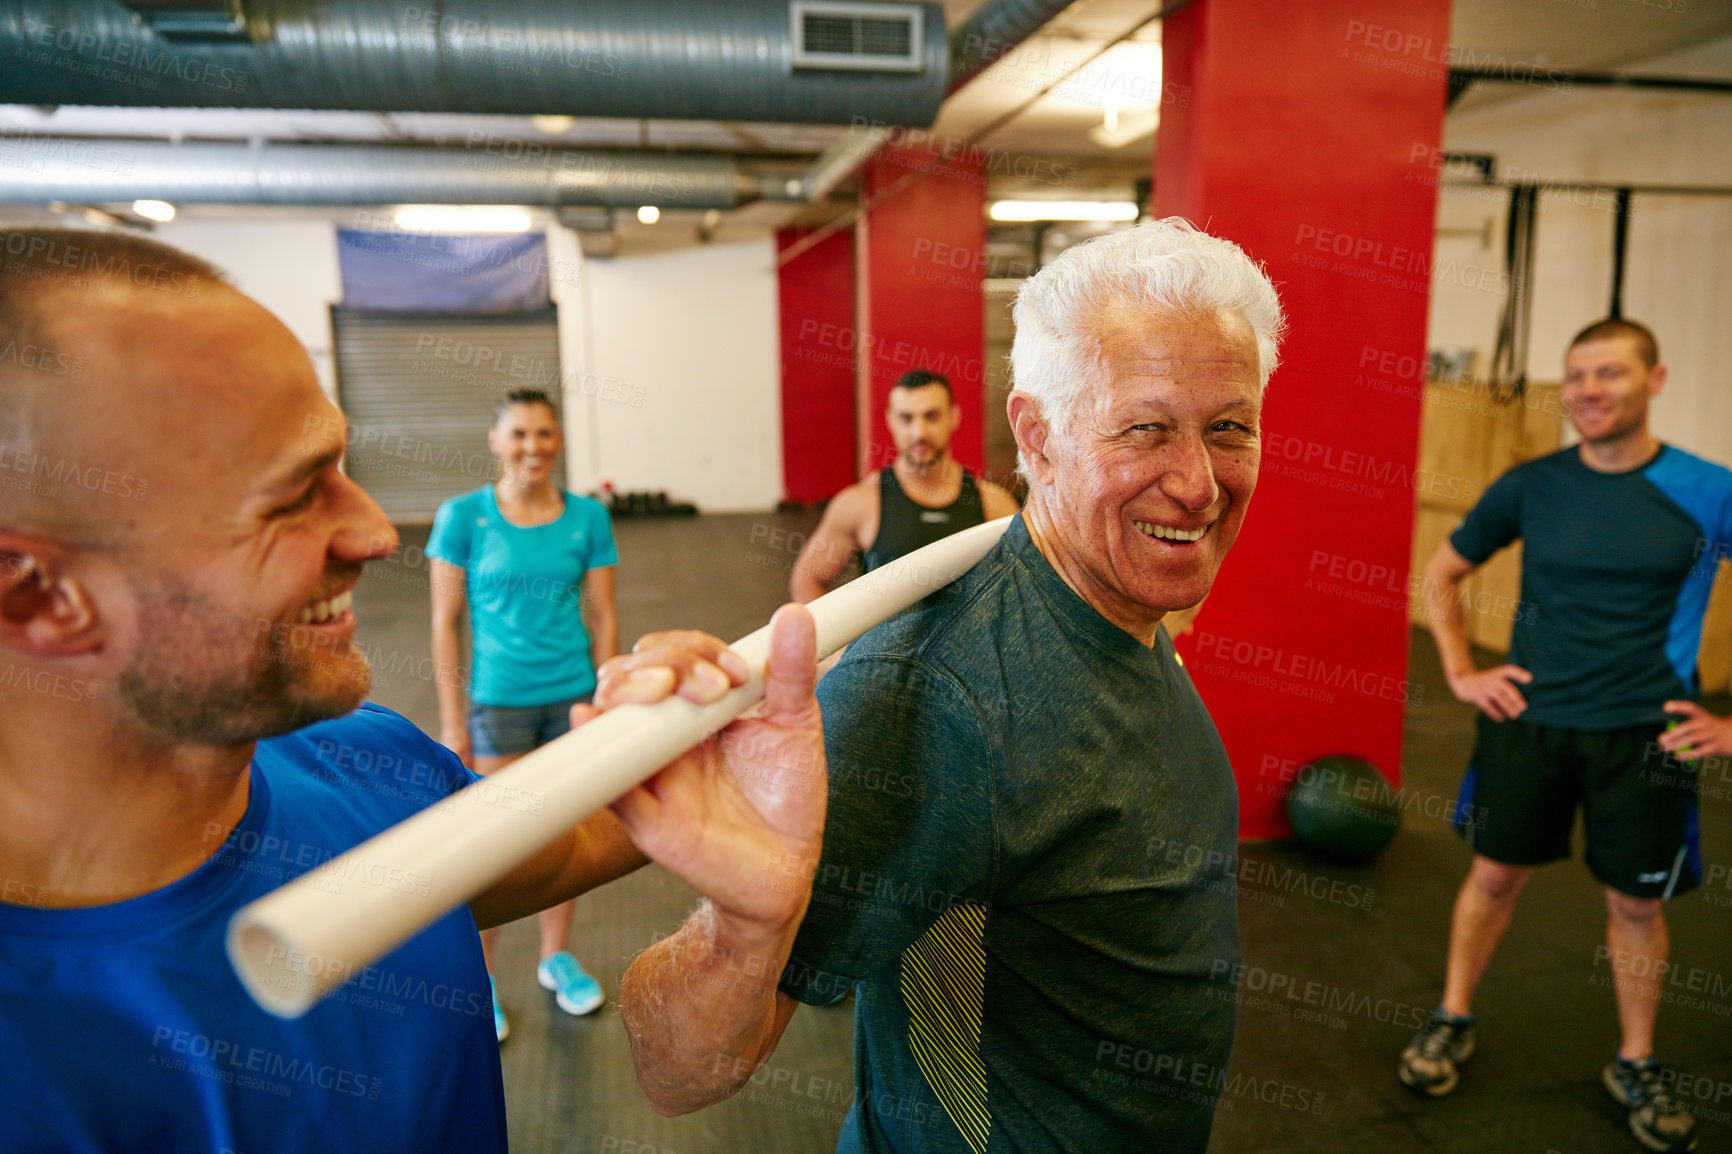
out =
column 740, row 818
column 832, row 543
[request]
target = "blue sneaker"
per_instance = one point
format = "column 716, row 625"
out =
column 575, row 991
column 501, row 1027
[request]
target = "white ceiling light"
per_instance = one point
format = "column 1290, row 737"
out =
column 160, row 211
column 462, row 218
column 649, row 214
column 1028, row 210
column 1121, row 126
column 1127, row 74
column 554, row 125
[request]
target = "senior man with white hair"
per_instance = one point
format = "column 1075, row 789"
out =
column 1027, row 866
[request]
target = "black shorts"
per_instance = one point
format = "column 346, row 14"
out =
column 1519, row 798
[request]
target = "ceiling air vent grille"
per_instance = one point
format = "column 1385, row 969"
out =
column 194, row 21
column 866, row 37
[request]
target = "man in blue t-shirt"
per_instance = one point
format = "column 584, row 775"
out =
column 1621, row 537
column 182, row 730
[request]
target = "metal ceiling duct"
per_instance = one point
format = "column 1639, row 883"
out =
column 643, row 59
column 995, row 28
column 35, row 169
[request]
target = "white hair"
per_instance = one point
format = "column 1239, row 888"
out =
column 1165, row 265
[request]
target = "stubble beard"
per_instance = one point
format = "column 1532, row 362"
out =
column 933, row 460
column 184, row 683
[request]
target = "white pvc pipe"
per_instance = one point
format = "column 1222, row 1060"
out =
column 303, row 940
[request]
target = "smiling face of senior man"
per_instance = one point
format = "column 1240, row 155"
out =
column 1138, row 497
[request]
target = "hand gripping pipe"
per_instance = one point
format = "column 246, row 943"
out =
column 303, row 940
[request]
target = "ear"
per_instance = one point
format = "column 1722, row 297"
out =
column 1032, row 435
column 1656, row 380
column 955, row 416
column 43, row 611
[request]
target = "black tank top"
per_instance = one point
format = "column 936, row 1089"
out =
column 904, row 526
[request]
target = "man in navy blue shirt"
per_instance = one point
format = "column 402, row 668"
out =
column 179, row 733
column 1621, row 535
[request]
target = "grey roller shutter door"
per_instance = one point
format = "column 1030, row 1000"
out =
column 419, row 391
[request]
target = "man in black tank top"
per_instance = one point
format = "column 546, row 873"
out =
column 904, row 526
column 925, row 495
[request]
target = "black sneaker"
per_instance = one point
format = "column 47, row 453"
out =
column 1658, row 1120
column 1429, row 1063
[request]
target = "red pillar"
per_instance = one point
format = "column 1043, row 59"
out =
column 815, row 300
column 921, row 295
column 1303, row 133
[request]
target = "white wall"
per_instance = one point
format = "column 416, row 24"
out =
column 1678, row 279
column 671, row 361
column 289, row 266
column 675, row 363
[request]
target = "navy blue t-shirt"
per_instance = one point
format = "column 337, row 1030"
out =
column 1616, row 573
column 123, row 1027
column 1027, row 875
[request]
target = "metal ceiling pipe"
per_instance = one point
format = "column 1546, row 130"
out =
column 491, row 170
column 642, row 59
column 995, row 28
column 835, row 164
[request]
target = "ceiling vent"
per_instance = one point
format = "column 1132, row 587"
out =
column 858, row 37
column 194, row 21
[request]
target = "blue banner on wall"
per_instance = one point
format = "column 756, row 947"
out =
column 442, row 272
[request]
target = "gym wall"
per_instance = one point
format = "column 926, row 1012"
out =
column 670, row 359
column 1676, row 280
column 673, row 375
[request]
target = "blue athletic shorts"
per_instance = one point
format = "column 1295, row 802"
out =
column 504, row 730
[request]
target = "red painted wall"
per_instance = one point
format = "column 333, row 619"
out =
column 1303, row 132
column 815, row 299
column 920, row 290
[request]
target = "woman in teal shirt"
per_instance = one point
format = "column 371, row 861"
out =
column 529, row 562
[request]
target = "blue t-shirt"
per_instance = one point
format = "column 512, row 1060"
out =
column 525, row 592
column 1027, row 875
column 1616, row 573
column 123, row 1027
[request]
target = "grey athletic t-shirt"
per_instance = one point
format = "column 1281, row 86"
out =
column 1027, row 875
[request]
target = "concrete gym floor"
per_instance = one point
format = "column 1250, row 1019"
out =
column 1340, row 962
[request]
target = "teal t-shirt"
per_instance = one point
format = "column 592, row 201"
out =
column 525, row 590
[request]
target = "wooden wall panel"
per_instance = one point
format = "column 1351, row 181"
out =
column 1468, row 438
